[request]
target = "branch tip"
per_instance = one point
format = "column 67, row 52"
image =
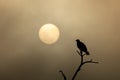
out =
column 63, row 74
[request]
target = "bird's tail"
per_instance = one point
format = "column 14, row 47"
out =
column 87, row 53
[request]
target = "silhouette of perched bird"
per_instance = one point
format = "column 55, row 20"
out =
column 82, row 47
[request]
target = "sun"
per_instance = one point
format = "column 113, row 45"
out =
column 49, row 33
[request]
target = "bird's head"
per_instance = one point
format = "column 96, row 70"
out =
column 77, row 40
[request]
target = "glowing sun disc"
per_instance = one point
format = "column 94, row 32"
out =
column 49, row 33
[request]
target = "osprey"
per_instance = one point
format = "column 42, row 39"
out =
column 82, row 47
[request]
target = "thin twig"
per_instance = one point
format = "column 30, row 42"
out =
column 65, row 78
column 78, row 52
column 90, row 61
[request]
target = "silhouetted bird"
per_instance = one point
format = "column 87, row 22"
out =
column 82, row 47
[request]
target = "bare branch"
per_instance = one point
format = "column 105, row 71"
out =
column 90, row 61
column 63, row 74
column 78, row 69
column 78, row 52
column 81, row 64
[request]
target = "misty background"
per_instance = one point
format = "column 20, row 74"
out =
column 24, row 57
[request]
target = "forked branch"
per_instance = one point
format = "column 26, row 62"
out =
column 82, row 62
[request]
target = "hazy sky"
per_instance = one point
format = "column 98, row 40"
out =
column 24, row 57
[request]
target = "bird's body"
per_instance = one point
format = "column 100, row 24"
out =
column 82, row 47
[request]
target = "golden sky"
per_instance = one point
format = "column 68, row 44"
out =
column 24, row 57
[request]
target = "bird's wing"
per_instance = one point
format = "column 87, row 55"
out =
column 83, row 46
